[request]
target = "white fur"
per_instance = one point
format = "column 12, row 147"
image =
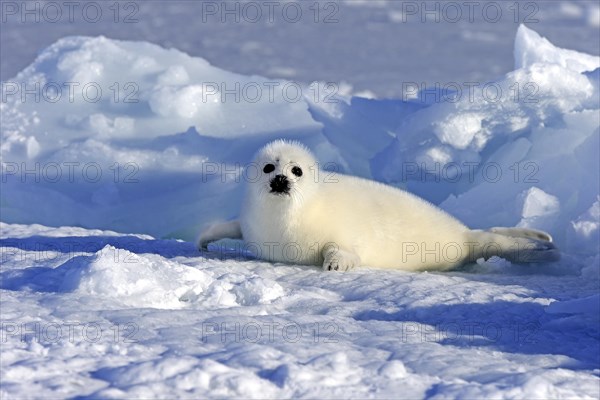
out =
column 341, row 222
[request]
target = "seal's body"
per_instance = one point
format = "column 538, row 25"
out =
column 297, row 213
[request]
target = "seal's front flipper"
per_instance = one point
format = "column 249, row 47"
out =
column 220, row 230
column 336, row 259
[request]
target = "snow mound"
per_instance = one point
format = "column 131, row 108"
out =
column 130, row 90
column 135, row 281
column 521, row 150
column 531, row 48
column 119, row 278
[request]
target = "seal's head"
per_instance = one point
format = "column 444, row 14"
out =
column 286, row 171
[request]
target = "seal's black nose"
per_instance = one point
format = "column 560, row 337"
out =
column 280, row 184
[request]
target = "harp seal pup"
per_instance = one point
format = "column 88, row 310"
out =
column 295, row 213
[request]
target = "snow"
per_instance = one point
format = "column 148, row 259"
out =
column 531, row 48
column 104, row 293
column 120, row 321
column 131, row 316
column 524, row 170
column 539, row 209
column 387, row 51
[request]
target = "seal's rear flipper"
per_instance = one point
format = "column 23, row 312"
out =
column 532, row 251
column 514, row 244
column 522, row 232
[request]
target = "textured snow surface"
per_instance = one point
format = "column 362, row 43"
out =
column 94, row 313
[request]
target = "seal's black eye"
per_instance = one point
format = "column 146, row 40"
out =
column 297, row 171
column 268, row 168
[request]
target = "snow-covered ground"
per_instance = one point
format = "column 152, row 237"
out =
column 121, row 136
column 99, row 314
